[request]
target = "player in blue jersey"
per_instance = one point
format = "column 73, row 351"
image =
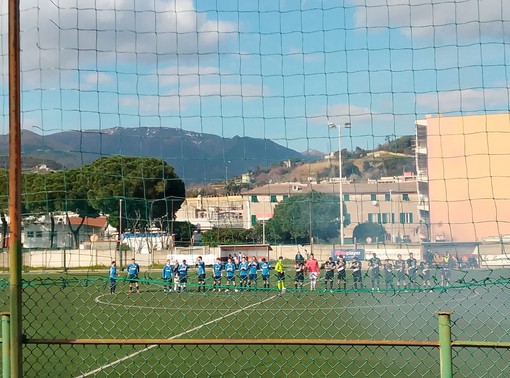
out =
column 243, row 273
column 217, row 268
column 265, row 267
column 167, row 274
column 183, row 275
column 230, row 268
column 253, row 267
column 201, row 274
column 113, row 277
column 133, row 270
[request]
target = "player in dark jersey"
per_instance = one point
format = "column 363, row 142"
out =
column 177, row 286
column 425, row 275
column 400, row 268
column 375, row 270
column 388, row 274
column 446, row 272
column 299, row 278
column 356, row 273
column 330, row 273
column 412, row 268
column 341, row 274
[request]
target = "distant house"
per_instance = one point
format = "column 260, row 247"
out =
column 37, row 230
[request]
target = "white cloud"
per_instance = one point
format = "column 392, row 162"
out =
column 468, row 100
column 345, row 113
column 467, row 19
column 96, row 79
column 244, row 90
column 91, row 34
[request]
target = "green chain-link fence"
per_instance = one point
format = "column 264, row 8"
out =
column 63, row 317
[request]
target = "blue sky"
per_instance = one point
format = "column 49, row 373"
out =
column 268, row 69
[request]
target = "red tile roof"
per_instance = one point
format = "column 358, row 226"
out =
column 99, row 222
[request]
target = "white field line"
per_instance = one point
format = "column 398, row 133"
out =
column 134, row 354
column 404, row 302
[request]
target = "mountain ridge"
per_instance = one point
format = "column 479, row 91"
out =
column 196, row 157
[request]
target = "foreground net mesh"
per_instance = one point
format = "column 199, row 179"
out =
column 168, row 130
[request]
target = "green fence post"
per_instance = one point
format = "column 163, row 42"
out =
column 445, row 344
column 6, row 344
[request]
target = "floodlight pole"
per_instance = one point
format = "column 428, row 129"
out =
column 332, row 125
column 120, row 234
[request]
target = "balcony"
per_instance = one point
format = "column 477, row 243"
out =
column 421, row 150
column 422, row 175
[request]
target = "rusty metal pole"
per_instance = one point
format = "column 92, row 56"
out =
column 15, row 256
column 445, row 344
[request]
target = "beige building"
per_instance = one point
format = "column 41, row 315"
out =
column 463, row 180
column 391, row 204
column 208, row 212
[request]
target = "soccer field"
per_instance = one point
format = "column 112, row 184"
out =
column 81, row 307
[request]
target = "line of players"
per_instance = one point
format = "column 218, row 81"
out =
column 408, row 273
column 248, row 274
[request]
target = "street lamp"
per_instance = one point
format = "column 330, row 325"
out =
column 347, row 125
column 120, row 233
column 226, row 171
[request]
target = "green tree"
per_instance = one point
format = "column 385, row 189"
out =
column 301, row 216
column 369, row 230
column 227, row 236
column 149, row 187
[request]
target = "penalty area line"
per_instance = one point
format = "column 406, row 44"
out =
column 134, row 354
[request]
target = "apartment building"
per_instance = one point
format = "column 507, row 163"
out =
column 462, row 177
column 391, row 204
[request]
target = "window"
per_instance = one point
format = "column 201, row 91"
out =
column 253, row 220
column 285, row 196
column 406, row 218
column 373, row 197
column 30, row 234
column 374, row 217
column 387, row 197
column 405, row 197
column 273, row 199
column 254, row 199
column 388, row 218
column 346, row 197
column 347, row 218
column 38, row 234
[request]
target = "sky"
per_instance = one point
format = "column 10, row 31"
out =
column 275, row 69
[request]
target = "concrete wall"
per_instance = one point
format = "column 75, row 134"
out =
column 496, row 255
